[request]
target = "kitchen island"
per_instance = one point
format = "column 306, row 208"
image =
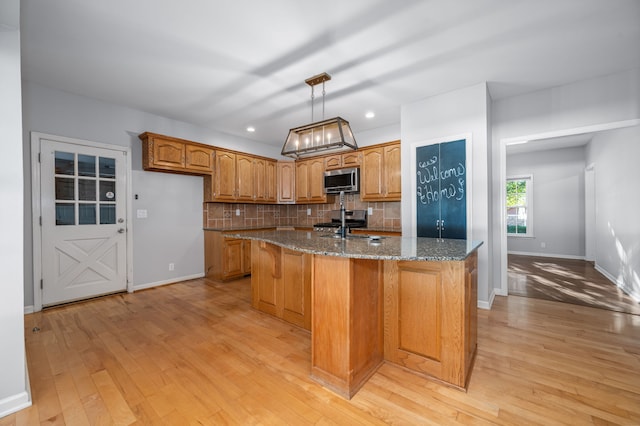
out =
column 409, row 301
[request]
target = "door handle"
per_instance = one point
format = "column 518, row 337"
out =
column 121, row 231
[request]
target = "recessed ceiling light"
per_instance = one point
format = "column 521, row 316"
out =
column 370, row 114
column 251, row 129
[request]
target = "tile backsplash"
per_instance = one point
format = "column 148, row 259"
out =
column 385, row 215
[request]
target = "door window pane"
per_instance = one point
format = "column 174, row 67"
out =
column 65, row 214
column 86, row 165
column 107, row 167
column 64, row 163
column 107, row 190
column 87, row 214
column 64, row 189
column 86, row 189
column 107, row 214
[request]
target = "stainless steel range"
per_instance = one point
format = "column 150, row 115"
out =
column 353, row 219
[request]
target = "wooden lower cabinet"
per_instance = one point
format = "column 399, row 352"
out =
column 281, row 283
column 442, row 298
column 226, row 258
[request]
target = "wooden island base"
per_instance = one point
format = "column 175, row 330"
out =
column 346, row 333
column 418, row 314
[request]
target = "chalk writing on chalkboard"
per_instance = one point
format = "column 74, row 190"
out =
column 434, row 183
column 441, row 203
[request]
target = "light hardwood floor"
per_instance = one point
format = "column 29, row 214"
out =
column 566, row 280
column 196, row 353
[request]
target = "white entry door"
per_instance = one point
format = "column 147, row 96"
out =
column 83, row 213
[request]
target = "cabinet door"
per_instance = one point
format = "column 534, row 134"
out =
column 316, row 180
column 168, row 154
column 225, row 173
column 392, row 172
column 302, row 181
column 198, row 158
column 232, row 258
column 286, row 182
column 271, row 186
column 371, row 187
column 351, row 159
column 246, row 257
column 266, row 274
column 260, row 180
column 296, row 288
column 333, row 162
column 244, row 165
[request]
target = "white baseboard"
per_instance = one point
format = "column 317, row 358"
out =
column 617, row 282
column 20, row 400
column 165, row 282
column 559, row 256
column 483, row 304
column 28, row 309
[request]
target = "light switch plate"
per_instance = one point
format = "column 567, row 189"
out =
column 141, row 213
column 370, row 211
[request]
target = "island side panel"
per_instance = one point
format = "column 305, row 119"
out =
column 346, row 333
column 430, row 317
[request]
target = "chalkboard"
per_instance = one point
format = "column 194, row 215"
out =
column 441, row 190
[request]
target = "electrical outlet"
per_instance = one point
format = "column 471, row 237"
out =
column 370, row 211
column 172, row 266
column 543, row 245
column 237, row 212
column 308, row 212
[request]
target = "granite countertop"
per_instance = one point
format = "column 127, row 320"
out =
column 361, row 247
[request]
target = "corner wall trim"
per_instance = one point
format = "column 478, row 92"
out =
column 482, row 304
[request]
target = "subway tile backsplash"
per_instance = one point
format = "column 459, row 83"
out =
column 386, row 215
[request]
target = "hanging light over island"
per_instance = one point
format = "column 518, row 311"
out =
column 331, row 135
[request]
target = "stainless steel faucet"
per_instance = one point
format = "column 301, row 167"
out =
column 343, row 220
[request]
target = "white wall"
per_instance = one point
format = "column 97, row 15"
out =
column 558, row 202
column 451, row 114
column 617, row 180
column 172, row 233
column 597, row 101
column 13, row 384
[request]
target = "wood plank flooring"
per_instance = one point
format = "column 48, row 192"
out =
column 566, row 280
column 196, row 353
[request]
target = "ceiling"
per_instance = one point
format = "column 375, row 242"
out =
column 230, row 64
column 570, row 141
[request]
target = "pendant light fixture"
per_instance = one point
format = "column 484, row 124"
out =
column 332, row 135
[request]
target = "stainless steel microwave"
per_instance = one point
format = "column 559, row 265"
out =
column 347, row 180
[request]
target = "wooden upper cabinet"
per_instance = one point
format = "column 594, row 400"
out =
column 338, row 161
column 264, row 180
column 380, row 178
column 168, row 154
column 198, row 158
column 286, row 182
column 225, row 176
column 271, row 189
column 242, row 178
column 244, row 185
column 310, row 181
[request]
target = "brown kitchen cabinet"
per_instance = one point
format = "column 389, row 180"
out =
column 286, row 182
column 169, row 154
column 226, row 258
column 442, row 298
column 241, row 178
column 281, row 283
column 338, row 161
column 380, row 177
column 310, row 181
column 265, row 181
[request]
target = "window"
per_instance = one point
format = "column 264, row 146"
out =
column 519, row 206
